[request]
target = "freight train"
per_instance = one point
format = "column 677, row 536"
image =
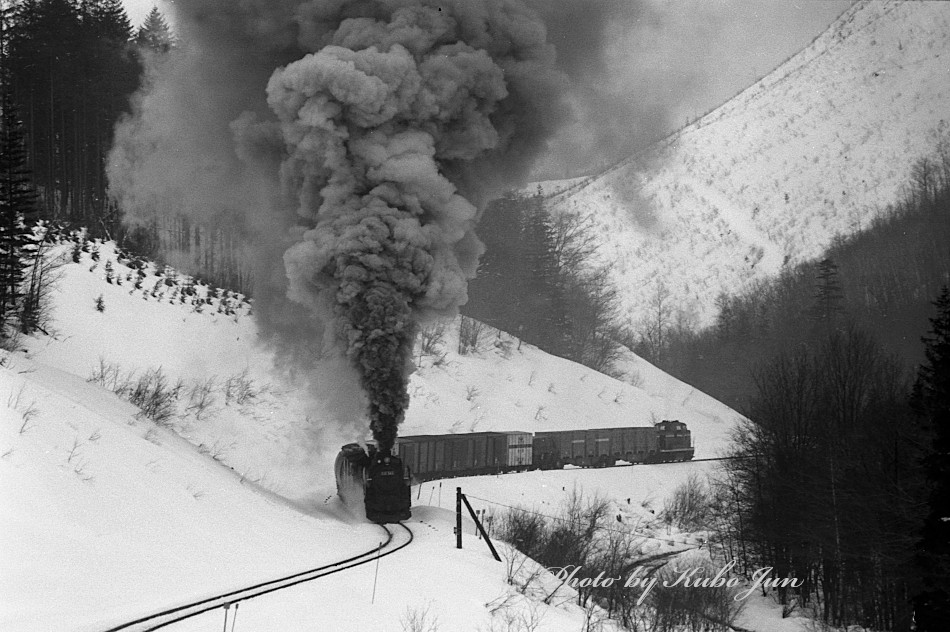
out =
column 441, row 456
column 379, row 482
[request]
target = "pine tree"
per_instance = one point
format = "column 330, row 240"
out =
column 829, row 296
column 544, row 303
column 111, row 75
column 17, row 207
column 154, row 33
column 73, row 69
column 931, row 400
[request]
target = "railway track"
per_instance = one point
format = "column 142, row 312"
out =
column 715, row 458
column 419, row 483
column 167, row 617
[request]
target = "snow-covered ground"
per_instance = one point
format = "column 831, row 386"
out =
column 814, row 150
column 108, row 516
column 273, row 438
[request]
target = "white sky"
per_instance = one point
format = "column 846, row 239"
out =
column 715, row 47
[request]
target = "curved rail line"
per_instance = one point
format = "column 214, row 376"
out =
column 180, row 613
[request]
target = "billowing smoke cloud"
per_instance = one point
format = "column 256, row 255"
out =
column 352, row 142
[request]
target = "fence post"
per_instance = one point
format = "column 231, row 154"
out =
column 458, row 517
column 478, row 524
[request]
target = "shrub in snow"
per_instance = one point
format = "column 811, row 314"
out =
column 240, row 389
column 678, row 607
column 688, row 507
column 471, row 334
column 152, row 394
column 419, row 620
column 201, row 398
column 431, row 339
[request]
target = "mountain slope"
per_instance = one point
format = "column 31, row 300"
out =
column 276, row 433
column 813, row 150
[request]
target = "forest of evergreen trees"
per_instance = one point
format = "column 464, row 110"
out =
column 71, row 69
column 67, row 72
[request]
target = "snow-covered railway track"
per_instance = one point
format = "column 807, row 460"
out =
column 165, row 618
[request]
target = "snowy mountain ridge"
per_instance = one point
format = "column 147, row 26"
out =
column 814, row 150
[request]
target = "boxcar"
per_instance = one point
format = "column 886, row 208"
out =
column 437, row 456
column 557, row 448
column 597, row 447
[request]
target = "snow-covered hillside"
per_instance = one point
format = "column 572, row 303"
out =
column 272, row 434
column 108, row 515
column 813, row 150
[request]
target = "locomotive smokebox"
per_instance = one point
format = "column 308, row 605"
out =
column 376, row 483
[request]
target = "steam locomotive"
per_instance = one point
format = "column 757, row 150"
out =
column 375, row 481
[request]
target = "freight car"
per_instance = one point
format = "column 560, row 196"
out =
column 598, row 447
column 441, row 456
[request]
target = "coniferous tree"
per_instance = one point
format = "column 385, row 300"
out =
column 545, row 287
column 17, row 208
column 829, row 297
column 931, row 401
column 111, row 76
column 154, row 34
column 73, row 69
column 44, row 63
column 496, row 292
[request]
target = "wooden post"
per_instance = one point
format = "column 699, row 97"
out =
column 478, row 523
column 458, row 517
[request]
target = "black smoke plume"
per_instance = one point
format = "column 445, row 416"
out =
column 354, row 141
